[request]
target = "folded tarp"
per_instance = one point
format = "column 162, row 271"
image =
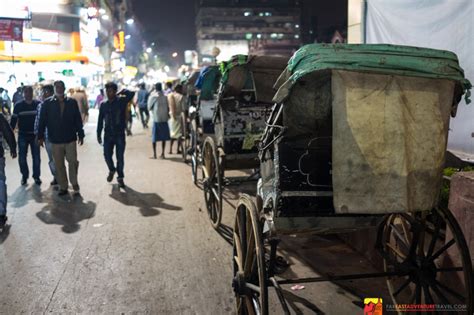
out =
column 208, row 82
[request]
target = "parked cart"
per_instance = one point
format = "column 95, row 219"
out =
column 357, row 139
column 201, row 124
column 244, row 102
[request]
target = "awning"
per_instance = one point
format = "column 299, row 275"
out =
column 49, row 57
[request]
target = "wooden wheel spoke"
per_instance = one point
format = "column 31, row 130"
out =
column 239, row 264
column 418, row 293
column 250, row 255
column 399, row 235
column 215, row 193
column 238, row 246
column 396, row 251
column 452, row 292
column 405, row 231
column 243, row 231
column 442, row 249
column 427, row 294
column 433, row 241
column 249, row 304
column 440, row 295
column 403, row 286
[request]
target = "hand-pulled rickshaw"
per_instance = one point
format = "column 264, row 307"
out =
column 190, row 92
column 357, row 138
column 200, row 116
column 243, row 104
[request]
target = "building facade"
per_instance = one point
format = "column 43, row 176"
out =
column 248, row 27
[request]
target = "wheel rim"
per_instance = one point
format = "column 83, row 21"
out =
column 194, row 155
column 250, row 285
column 431, row 251
column 212, row 183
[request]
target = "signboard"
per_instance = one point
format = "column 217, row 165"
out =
column 40, row 36
column 11, row 30
column 119, row 41
column 12, row 11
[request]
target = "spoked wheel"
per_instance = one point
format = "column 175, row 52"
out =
column 185, row 137
column 212, row 183
column 249, row 283
column 430, row 253
column 194, row 151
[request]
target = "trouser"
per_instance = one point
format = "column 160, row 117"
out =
column 49, row 149
column 3, row 188
column 144, row 116
column 25, row 141
column 68, row 151
column 119, row 143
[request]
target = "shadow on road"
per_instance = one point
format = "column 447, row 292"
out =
column 23, row 194
column 67, row 211
column 226, row 233
column 148, row 203
column 4, row 233
column 293, row 300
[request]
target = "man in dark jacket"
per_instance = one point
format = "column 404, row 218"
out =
column 24, row 115
column 6, row 133
column 61, row 115
column 113, row 120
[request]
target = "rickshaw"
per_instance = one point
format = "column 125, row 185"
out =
column 357, row 138
column 243, row 104
column 201, row 124
column 189, row 89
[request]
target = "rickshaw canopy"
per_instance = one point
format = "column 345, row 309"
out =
column 373, row 58
column 251, row 74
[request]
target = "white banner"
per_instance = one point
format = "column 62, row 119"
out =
column 439, row 24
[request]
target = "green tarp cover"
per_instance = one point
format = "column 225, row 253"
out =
column 208, row 82
column 226, row 66
column 374, row 58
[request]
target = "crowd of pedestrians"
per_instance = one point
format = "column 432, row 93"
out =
column 55, row 120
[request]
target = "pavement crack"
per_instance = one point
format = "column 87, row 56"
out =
column 66, row 267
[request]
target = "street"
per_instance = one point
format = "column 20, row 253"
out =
column 146, row 249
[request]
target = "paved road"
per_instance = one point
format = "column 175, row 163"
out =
column 147, row 249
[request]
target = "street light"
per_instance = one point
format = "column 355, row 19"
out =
column 130, row 21
column 128, row 36
column 175, row 54
column 148, row 50
column 105, row 17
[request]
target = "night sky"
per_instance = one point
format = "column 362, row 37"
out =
column 170, row 23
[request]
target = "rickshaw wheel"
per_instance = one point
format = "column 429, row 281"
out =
column 195, row 151
column 430, row 253
column 184, row 137
column 249, row 282
column 212, row 183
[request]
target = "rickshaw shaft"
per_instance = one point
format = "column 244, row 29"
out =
column 342, row 277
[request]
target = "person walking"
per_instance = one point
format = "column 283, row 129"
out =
column 142, row 100
column 176, row 103
column 99, row 99
column 47, row 91
column 113, row 120
column 81, row 98
column 6, row 133
column 18, row 95
column 60, row 115
column 158, row 105
column 169, row 88
column 24, row 115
